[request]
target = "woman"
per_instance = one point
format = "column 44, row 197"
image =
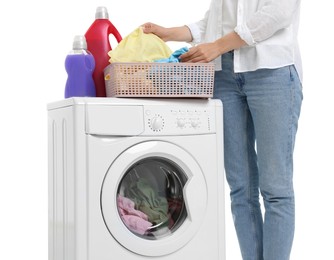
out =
column 258, row 78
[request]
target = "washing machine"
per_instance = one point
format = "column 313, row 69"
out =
column 136, row 179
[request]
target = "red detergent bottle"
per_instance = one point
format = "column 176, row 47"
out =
column 97, row 37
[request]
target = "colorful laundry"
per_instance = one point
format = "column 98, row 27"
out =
column 148, row 201
column 175, row 57
column 135, row 220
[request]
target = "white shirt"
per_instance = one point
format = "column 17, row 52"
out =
column 269, row 27
column 229, row 22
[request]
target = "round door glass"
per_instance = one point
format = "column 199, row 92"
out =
column 150, row 198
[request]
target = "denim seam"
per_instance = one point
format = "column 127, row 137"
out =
column 251, row 209
column 292, row 103
column 240, row 80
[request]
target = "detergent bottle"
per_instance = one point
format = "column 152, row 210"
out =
column 97, row 37
column 79, row 65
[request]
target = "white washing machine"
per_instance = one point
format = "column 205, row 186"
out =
column 136, row 179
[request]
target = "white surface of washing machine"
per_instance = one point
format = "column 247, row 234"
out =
column 133, row 179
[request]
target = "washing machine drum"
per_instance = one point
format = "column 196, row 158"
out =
column 150, row 198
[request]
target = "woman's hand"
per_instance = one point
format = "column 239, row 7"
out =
column 158, row 30
column 179, row 34
column 205, row 52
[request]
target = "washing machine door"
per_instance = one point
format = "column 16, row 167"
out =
column 154, row 198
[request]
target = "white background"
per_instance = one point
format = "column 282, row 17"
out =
column 36, row 36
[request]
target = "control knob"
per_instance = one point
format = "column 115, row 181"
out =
column 157, row 123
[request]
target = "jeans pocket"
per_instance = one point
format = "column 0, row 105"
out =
column 294, row 77
column 293, row 73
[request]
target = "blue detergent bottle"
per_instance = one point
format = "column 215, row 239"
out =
column 79, row 65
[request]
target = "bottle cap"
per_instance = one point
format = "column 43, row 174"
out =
column 101, row 13
column 79, row 42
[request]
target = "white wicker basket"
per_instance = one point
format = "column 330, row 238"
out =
column 159, row 79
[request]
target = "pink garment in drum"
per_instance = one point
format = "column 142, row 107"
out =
column 134, row 219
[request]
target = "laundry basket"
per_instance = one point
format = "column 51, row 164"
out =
column 148, row 79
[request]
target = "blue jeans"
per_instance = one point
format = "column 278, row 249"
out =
column 261, row 111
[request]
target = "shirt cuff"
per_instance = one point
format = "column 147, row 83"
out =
column 195, row 32
column 244, row 33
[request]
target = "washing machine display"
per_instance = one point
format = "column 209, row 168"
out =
column 150, row 198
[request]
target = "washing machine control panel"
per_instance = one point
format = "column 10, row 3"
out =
column 179, row 120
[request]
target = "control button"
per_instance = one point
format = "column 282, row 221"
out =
column 194, row 124
column 148, row 112
column 157, row 123
column 181, row 122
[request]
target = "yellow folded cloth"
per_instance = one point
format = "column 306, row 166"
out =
column 140, row 47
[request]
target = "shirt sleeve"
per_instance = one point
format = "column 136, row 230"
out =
column 195, row 32
column 198, row 29
column 272, row 16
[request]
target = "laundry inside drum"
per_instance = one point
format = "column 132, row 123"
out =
column 150, row 198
